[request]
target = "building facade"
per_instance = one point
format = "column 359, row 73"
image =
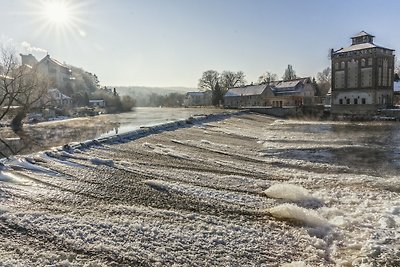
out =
column 276, row 94
column 59, row 74
column 247, row 96
column 362, row 77
column 292, row 93
column 197, row 99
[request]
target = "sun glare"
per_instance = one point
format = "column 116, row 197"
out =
column 57, row 12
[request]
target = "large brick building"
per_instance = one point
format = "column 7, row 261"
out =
column 362, row 77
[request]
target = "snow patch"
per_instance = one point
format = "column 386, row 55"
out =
column 28, row 164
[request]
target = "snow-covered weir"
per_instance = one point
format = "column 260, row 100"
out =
column 223, row 190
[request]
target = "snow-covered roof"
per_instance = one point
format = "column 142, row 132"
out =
column 288, row 84
column 360, row 47
column 246, row 90
column 54, row 61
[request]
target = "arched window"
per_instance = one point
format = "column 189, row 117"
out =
column 362, row 62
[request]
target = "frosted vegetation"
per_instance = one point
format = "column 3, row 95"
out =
column 241, row 190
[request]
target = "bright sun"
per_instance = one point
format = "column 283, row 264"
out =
column 57, row 12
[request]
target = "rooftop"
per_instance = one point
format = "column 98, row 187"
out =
column 360, row 47
column 361, row 34
column 361, row 41
column 247, row 90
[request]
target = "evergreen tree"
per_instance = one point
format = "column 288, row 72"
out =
column 290, row 74
column 217, row 95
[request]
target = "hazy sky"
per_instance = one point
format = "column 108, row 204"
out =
column 171, row 42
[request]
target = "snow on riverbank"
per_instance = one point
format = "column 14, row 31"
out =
column 239, row 190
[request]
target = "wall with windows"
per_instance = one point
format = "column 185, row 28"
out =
column 353, row 98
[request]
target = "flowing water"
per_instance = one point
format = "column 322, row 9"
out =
column 239, row 190
column 41, row 136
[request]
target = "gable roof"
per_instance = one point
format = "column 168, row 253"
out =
column 287, row 84
column 247, row 90
column 361, row 34
column 54, row 61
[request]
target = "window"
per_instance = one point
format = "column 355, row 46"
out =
column 336, row 66
column 348, row 101
column 341, row 101
column 355, row 101
column 370, row 61
column 342, row 65
column 362, row 62
column 363, row 101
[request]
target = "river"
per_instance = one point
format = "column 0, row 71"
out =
column 241, row 190
column 41, row 136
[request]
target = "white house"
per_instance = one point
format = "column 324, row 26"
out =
column 198, row 99
column 59, row 99
column 100, row 103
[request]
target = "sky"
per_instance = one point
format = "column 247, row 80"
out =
column 165, row 43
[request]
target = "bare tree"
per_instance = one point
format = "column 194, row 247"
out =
column 324, row 80
column 21, row 87
column 267, row 77
column 230, row 79
column 209, row 80
column 290, row 74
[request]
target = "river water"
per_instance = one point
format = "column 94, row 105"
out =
column 41, row 136
column 241, row 190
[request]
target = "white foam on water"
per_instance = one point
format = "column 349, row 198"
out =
column 19, row 163
column 289, row 192
column 300, row 215
column 9, row 177
column 295, row 264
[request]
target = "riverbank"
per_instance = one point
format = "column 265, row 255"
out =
column 44, row 135
column 208, row 192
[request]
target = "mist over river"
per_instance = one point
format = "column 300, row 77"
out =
column 235, row 190
column 41, row 136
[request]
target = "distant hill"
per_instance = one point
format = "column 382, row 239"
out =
column 144, row 95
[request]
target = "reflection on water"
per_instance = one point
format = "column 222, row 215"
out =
column 50, row 134
column 369, row 147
